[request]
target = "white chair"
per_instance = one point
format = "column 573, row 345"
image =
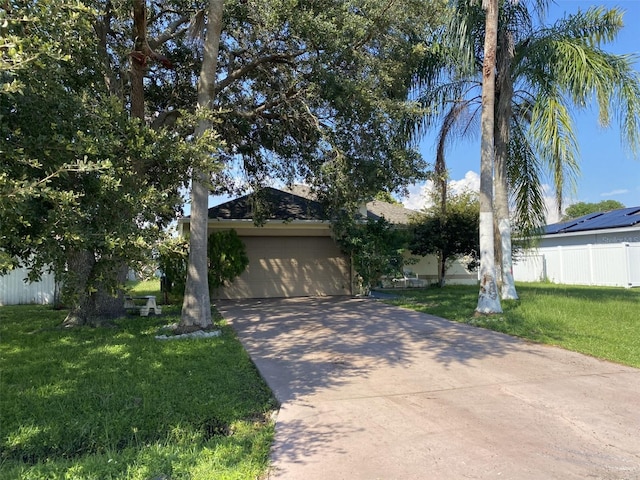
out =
column 409, row 279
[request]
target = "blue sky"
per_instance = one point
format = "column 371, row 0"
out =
column 608, row 171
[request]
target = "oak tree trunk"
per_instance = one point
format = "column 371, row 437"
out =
column 93, row 305
column 138, row 59
column 196, row 308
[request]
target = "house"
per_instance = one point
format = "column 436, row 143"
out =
column 292, row 253
column 601, row 248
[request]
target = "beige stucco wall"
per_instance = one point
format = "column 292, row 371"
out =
column 297, row 258
column 427, row 269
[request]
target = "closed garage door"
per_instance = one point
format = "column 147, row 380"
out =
column 291, row 267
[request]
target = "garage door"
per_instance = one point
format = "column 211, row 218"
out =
column 291, row 267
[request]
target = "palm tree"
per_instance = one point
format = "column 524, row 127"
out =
column 488, row 299
column 541, row 72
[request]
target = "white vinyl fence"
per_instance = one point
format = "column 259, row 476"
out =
column 613, row 264
column 14, row 290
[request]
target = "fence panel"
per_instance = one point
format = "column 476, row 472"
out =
column 529, row 268
column 633, row 264
column 14, row 290
column 575, row 268
column 615, row 265
column 608, row 265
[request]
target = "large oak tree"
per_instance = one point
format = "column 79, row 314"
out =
column 301, row 90
column 313, row 91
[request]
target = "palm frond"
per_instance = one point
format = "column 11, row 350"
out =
column 436, row 101
column 553, row 135
column 524, row 173
column 567, row 57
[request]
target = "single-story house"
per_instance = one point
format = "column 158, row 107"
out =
column 600, row 248
column 292, row 253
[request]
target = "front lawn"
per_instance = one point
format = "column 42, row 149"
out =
column 115, row 403
column 599, row 321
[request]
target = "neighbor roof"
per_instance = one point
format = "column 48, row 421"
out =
column 392, row 212
column 277, row 205
column 624, row 217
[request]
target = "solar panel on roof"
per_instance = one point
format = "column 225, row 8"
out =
column 564, row 226
column 624, row 217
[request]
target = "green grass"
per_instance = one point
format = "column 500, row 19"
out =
column 115, row 403
column 146, row 287
column 598, row 321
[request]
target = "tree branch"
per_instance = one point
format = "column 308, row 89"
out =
column 245, row 69
column 261, row 110
column 172, row 31
column 371, row 33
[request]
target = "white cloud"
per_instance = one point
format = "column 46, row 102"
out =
column 613, row 193
column 470, row 183
column 553, row 216
column 418, row 197
column 420, row 194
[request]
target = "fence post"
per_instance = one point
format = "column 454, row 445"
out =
column 627, row 263
column 561, row 261
column 592, row 280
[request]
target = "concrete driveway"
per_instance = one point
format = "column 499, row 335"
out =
column 370, row 391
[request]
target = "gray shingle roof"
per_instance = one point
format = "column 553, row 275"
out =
column 297, row 202
column 272, row 204
column 393, row 213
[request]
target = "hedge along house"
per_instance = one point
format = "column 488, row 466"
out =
column 601, row 248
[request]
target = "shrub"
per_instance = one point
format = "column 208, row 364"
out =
column 227, row 259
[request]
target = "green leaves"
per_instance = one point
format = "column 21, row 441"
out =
column 449, row 235
column 227, row 257
column 318, row 90
column 584, row 208
column 375, row 247
column 78, row 173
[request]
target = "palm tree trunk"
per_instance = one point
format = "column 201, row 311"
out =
column 488, row 299
column 196, row 308
column 501, row 186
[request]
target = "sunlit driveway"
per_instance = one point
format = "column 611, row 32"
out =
column 370, row 391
